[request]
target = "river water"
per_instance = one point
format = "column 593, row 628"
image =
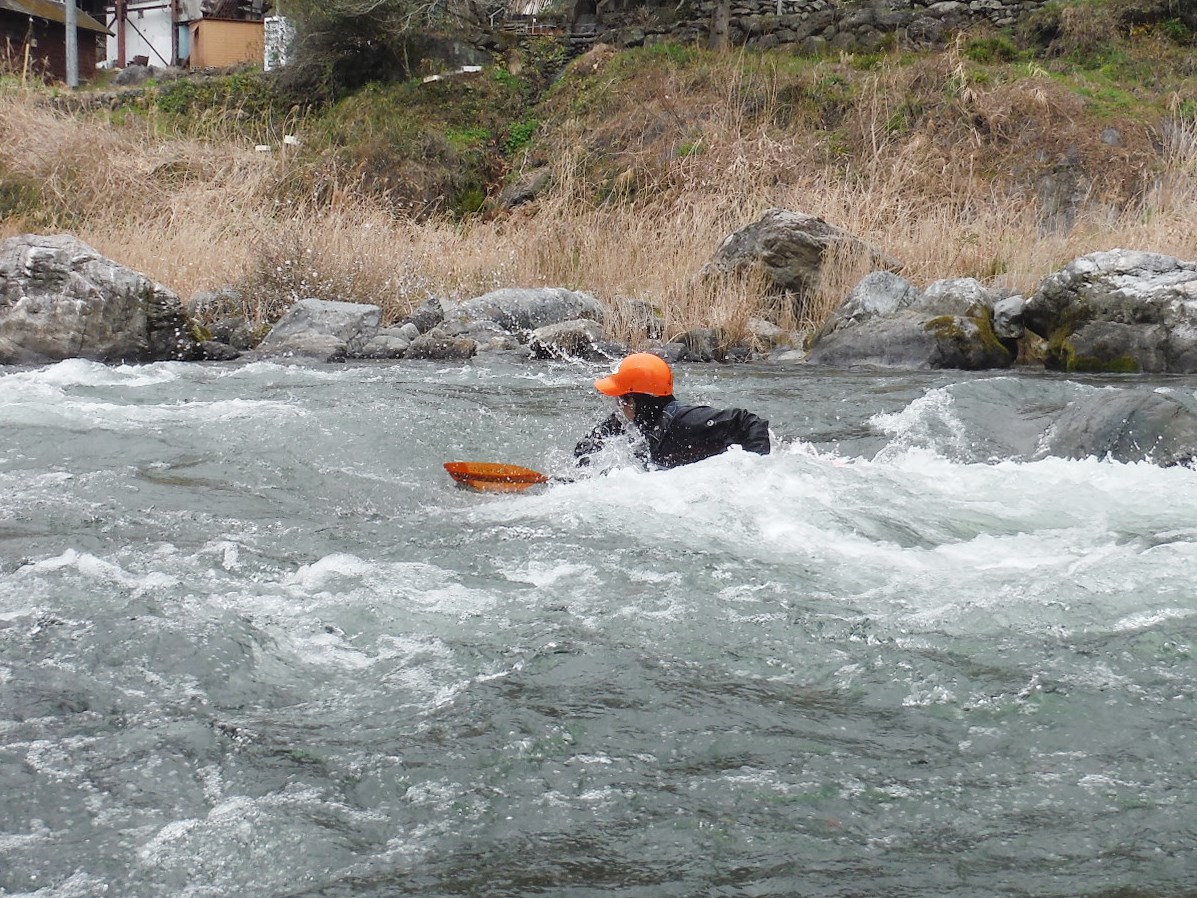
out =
column 254, row 642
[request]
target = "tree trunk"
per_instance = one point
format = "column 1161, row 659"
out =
column 720, row 25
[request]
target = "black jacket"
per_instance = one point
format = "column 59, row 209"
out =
column 680, row 434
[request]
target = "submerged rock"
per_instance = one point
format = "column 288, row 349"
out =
column 1127, row 426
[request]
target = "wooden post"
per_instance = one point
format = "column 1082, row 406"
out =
column 28, row 47
column 121, row 14
column 174, row 32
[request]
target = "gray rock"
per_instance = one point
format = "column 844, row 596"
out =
column 527, row 188
column 769, row 335
column 518, row 308
column 789, row 357
column 879, row 293
column 439, row 346
column 236, row 332
column 672, row 352
column 1007, row 318
column 1127, row 426
column 887, row 323
column 214, row 303
column 388, row 343
column 425, row 317
column 789, row 248
column 703, row 344
column 1121, row 311
column 955, row 296
column 132, row 75
column 311, row 326
column 878, row 342
column 215, row 351
column 310, row 347
column 61, row 299
column 569, row 339
column 486, row 334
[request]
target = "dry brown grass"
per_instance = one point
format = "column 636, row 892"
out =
column 200, row 214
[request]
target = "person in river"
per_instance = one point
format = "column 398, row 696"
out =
column 673, row 433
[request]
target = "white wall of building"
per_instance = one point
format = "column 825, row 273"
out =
column 147, row 30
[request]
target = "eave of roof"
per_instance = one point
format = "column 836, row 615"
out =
column 53, row 12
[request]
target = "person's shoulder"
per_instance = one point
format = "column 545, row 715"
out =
column 689, row 414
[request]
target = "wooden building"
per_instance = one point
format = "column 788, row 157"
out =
column 225, row 42
column 33, row 39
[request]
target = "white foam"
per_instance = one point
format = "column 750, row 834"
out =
column 84, row 373
column 100, row 570
column 929, row 421
column 1148, row 619
column 78, row 885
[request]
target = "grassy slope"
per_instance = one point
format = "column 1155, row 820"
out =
column 986, row 160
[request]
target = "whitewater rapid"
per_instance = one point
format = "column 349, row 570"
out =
column 253, row 640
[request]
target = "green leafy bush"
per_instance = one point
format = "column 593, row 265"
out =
column 519, row 135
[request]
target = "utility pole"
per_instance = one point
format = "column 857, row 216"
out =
column 72, row 43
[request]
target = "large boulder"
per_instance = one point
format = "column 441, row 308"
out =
column 323, row 330
column 61, row 299
column 1119, row 311
column 578, row 339
column 886, row 323
column 1127, row 426
column 523, row 308
column 790, row 249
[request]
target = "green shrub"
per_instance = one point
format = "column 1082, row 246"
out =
column 519, row 135
column 467, row 138
column 1176, row 31
column 999, row 48
column 469, row 201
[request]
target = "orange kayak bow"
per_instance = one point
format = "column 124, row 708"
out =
column 492, row 476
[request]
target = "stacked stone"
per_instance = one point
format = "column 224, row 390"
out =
column 812, row 26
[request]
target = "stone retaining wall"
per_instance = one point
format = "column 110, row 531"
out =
column 814, row 25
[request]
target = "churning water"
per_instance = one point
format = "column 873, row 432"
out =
column 253, row 642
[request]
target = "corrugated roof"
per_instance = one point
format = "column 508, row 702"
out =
column 53, row 12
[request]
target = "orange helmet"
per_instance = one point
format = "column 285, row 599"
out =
column 641, row 372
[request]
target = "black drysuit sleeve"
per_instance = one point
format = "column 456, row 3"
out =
column 745, row 429
column 593, row 441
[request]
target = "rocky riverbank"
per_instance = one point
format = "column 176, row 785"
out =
column 1120, row 311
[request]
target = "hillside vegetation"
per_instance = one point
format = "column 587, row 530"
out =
column 1001, row 157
